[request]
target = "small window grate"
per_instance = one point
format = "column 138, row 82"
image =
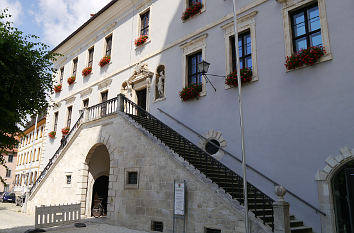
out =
column 209, row 230
column 157, row 226
column 68, row 179
column 132, row 177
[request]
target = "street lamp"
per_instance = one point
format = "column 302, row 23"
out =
column 203, row 67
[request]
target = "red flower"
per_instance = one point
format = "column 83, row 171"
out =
column 52, row 134
column 305, row 57
column 87, row 71
column 71, row 80
column 57, row 88
column 141, row 40
column 190, row 92
column 105, row 60
column 65, row 130
column 246, row 76
column 191, row 11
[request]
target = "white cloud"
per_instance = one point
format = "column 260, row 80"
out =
column 15, row 10
column 59, row 18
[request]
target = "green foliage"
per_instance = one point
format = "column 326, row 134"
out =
column 25, row 80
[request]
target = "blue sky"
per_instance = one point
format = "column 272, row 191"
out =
column 51, row 20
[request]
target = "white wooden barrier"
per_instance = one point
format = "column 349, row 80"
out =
column 49, row 216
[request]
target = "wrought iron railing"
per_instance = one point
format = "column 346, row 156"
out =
column 258, row 202
column 52, row 160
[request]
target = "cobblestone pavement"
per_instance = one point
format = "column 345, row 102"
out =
column 13, row 221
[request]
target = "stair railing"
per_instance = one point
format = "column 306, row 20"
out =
column 205, row 162
column 52, row 160
column 248, row 166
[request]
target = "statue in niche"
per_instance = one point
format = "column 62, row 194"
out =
column 160, row 82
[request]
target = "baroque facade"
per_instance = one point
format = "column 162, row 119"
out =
column 119, row 84
column 10, row 158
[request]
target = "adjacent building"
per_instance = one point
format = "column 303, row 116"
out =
column 132, row 114
column 30, row 148
column 8, row 174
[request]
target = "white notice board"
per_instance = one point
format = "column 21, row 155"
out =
column 179, row 198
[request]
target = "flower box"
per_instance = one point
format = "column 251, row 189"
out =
column 71, row 80
column 305, row 57
column 65, row 130
column 190, row 92
column 57, row 88
column 52, row 134
column 105, row 60
column 141, row 40
column 192, row 11
column 87, row 71
column 246, row 76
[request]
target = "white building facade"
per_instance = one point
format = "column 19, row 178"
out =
column 296, row 116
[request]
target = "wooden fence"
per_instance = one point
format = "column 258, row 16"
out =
column 49, row 216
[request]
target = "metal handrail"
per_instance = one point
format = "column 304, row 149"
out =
column 56, row 154
column 248, row 166
column 204, row 159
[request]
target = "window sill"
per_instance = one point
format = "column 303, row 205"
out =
column 325, row 58
column 190, row 18
column 143, row 45
column 160, row 99
column 254, row 79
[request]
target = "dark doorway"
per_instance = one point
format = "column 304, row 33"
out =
column 141, row 98
column 343, row 198
column 100, row 193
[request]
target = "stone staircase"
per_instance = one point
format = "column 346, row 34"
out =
column 259, row 203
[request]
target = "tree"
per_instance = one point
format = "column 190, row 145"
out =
column 25, row 80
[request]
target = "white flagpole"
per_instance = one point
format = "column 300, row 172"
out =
column 30, row 165
column 241, row 121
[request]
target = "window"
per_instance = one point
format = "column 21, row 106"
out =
column 157, row 226
column 244, row 48
column 56, row 114
column 68, row 179
column 194, row 77
column 306, row 28
column 85, row 103
column 8, row 173
column 90, row 57
column 61, row 75
column 34, row 155
column 305, row 24
column 10, row 158
column 68, row 122
column 108, row 45
column 210, row 230
column 6, row 187
column 192, row 2
column 132, row 177
column 35, row 177
column 75, row 61
column 42, row 131
column 39, row 152
column 144, row 27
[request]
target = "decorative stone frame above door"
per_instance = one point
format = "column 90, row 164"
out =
column 141, row 79
column 324, row 186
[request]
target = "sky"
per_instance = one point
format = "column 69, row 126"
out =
column 51, row 20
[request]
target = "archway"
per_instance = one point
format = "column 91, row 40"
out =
column 98, row 164
column 343, row 194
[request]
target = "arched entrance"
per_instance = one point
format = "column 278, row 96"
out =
column 100, row 193
column 98, row 164
column 343, row 198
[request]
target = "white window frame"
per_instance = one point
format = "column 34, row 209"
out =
column 190, row 47
column 245, row 23
column 146, row 9
column 105, row 45
column 293, row 5
column 186, row 5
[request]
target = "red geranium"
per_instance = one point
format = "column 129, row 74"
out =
column 246, row 76
column 190, row 92
column 105, row 60
column 305, row 57
column 191, row 11
column 52, row 134
column 71, row 80
column 141, row 40
column 57, row 88
column 65, row 130
column 87, row 71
